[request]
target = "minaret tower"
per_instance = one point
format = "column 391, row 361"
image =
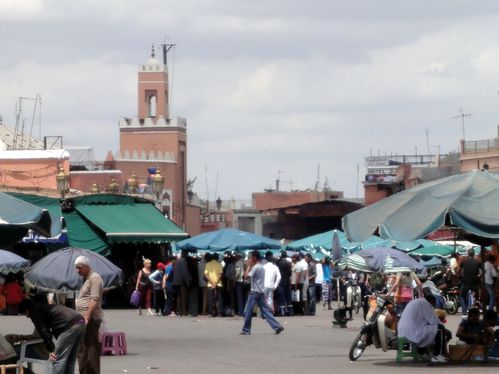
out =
column 156, row 139
column 153, row 90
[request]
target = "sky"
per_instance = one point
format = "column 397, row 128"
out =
column 271, row 89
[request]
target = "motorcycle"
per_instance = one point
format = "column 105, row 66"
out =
column 451, row 300
column 375, row 330
column 353, row 295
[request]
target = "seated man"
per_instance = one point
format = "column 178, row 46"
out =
column 471, row 329
column 491, row 335
column 420, row 325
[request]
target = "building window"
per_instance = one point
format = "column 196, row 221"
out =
column 152, row 106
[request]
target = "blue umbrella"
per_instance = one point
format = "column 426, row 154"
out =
column 56, row 271
column 383, row 260
column 337, row 251
column 227, row 240
column 10, row 262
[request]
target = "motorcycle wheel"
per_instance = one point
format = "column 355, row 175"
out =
column 358, row 346
column 452, row 308
column 357, row 303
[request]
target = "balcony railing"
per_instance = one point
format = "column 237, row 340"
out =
column 481, row 146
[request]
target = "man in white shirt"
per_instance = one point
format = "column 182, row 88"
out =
column 300, row 277
column 272, row 279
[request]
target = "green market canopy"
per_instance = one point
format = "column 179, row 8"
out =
column 94, row 222
column 468, row 201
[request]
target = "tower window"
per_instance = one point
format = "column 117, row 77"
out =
column 152, row 106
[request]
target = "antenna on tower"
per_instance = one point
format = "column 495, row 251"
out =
column 166, row 49
column 463, row 115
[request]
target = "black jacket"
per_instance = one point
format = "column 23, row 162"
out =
column 52, row 320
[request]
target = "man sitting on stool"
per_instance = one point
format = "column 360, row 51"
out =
column 420, row 325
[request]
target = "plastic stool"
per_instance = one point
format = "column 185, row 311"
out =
column 401, row 342
column 113, row 343
column 19, row 368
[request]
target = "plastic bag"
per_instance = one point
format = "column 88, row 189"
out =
column 135, row 299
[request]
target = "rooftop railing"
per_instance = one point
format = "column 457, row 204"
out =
column 481, row 146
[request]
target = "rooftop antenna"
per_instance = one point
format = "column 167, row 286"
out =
column 428, row 141
column 207, row 189
column 20, row 121
column 166, row 48
column 463, row 115
column 216, row 187
column 357, row 183
column 278, row 180
column 318, row 177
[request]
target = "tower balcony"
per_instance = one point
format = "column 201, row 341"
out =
column 152, row 122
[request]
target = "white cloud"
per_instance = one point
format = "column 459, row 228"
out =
column 25, row 10
column 265, row 85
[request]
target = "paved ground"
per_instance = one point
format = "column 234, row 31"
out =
column 179, row 345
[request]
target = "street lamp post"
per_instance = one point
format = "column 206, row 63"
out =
column 62, row 182
column 94, row 188
column 113, row 186
column 132, row 184
column 157, row 183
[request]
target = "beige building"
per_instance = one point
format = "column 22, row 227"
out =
column 479, row 154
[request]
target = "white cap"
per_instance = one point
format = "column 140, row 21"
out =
column 82, row 260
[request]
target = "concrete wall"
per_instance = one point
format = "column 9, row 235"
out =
column 193, row 220
column 281, row 199
column 32, row 169
column 84, row 180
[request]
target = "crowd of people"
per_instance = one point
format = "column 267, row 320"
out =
column 216, row 286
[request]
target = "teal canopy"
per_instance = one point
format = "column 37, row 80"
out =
column 227, row 240
column 320, row 245
column 434, row 250
column 18, row 216
column 324, row 241
column 468, row 201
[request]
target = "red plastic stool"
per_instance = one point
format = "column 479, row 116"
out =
column 113, row 343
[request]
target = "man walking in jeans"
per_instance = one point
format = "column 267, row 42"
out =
column 256, row 272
